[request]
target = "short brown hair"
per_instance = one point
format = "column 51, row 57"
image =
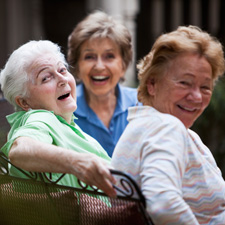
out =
column 98, row 25
column 186, row 39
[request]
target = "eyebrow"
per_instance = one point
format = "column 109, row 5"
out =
column 191, row 75
column 46, row 67
column 92, row 50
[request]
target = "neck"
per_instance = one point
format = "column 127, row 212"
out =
column 104, row 107
column 67, row 117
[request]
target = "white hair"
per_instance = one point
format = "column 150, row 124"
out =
column 14, row 77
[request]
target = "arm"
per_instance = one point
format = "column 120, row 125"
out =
column 33, row 155
column 162, row 170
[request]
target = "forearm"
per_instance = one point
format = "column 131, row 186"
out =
column 162, row 171
column 32, row 155
column 170, row 209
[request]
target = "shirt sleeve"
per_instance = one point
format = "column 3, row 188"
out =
column 34, row 130
column 164, row 158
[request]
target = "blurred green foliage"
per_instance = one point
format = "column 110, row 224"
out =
column 210, row 126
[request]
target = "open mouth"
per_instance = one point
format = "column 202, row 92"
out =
column 63, row 96
column 99, row 78
column 187, row 109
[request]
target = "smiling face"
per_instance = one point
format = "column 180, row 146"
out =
column 185, row 89
column 50, row 87
column 100, row 66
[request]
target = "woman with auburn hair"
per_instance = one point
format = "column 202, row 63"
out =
column 174, row 169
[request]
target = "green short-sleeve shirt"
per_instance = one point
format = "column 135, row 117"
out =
column 49, row 128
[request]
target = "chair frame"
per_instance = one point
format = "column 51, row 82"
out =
column 128, row 189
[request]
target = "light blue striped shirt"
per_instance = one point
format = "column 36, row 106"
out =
column 174, row 169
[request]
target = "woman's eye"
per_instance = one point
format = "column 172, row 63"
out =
column 185, row 83
column 110, row 56
column 46, row 78
column 63, row 70
column 87, row 57
column 206, row 88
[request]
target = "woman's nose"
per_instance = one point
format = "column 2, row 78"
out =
column 99, row 64
column 195, row 95
column 62, row 80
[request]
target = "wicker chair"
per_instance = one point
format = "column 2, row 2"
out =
column 29, row 201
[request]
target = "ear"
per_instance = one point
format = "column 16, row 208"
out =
column 22, row 103
column 151, row 86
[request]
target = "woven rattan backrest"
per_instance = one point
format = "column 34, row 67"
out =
column 36, row 203
column 32, row 202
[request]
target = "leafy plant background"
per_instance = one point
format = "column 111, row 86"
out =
column 211, row 125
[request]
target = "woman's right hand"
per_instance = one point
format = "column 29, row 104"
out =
column 93, row 170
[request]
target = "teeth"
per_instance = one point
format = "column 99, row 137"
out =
column 187, row 109
column 99, row 77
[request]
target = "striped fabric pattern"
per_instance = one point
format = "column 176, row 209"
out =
column 174, row 169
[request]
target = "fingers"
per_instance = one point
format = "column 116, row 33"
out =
column 94, row 171
column 104, row 181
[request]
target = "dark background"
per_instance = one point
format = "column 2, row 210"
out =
column 23, row 20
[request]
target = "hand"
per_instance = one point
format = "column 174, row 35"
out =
column 93, row 170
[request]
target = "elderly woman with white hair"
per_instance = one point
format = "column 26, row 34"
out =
column 43, row 135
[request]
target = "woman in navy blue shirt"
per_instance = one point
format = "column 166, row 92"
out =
column 99, row 52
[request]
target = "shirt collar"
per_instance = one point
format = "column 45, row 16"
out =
column 83, row 109
column 17, row 116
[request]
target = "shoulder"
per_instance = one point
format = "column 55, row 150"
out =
column 153, row 116
column 127, row 96
column 82, row 106
column 149, row 122
column 43, row 116
column 150, row 132
column 80, row 90
column 128, row 91
column 198, row 140
column 194, row 134
column 33, row 123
